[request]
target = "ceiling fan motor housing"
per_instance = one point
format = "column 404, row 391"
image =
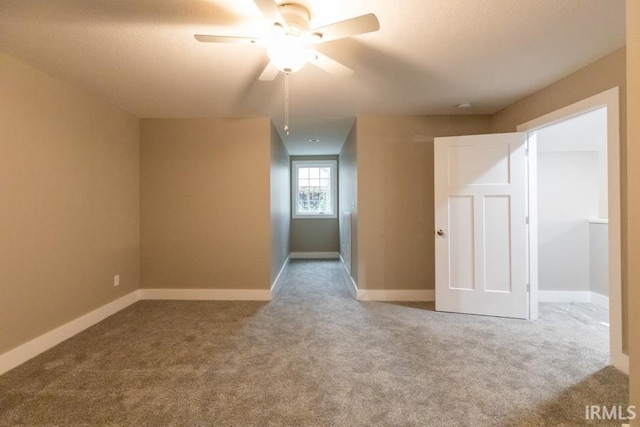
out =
column 296, row 16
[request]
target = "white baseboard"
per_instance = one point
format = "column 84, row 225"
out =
column 314, row 255
column 353, row 282
column 348, row 268
column 564, row 296
column 400, row 295
column 44, row 342
column 390, row 295
column 573, row 296
column 620, row 362
column 275, row 287
column 206, row 294
column 600, row 300
column 31, row 349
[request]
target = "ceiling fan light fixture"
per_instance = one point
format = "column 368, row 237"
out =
column 288, row 54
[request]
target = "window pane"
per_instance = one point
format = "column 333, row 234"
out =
column 314, row 189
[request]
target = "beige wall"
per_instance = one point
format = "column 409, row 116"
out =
column 69, row 198
column 395, row 197
column 315, row 235
column 205, row 203
column 348, row 178
column 598, row 77
column 633, row 160
column 280, row 206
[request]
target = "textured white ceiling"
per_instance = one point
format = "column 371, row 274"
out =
column 428, row 56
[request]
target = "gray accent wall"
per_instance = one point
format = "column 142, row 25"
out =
column 348, row 177
column 316, row 234
column 280, row 194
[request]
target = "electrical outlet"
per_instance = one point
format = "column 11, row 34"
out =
column 116, row 280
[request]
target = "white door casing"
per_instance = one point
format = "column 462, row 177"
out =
column 610, row 100
column 481, row 224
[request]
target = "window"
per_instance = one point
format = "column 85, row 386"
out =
column 314, row 189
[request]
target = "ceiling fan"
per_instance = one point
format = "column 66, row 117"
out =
column 291, row 38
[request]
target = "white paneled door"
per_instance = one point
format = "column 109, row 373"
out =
column 481, row 224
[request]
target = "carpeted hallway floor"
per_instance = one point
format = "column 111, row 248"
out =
column 315, row 356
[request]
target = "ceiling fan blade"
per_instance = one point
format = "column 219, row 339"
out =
column 226, row 39
column 331, row 66
column 270, row 10
column 270, row 72
column 351, row 27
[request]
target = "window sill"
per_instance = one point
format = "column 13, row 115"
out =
column 314, row 217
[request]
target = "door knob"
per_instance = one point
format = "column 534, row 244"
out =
column 440, row 232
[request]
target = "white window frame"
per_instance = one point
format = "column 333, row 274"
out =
column 333, row 165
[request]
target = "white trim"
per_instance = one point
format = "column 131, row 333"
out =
column 44, row 342
column 314, row 255
column 589, row 104
column 532, row 223
column 388, row 294
column 393, row 295
column 564, row 296
column 206, row 294
column 601, row 300
column 277, row 283
column 574, row 296
column 609, row 99
column 621, row 362
column 353, row 282
column 599, row 221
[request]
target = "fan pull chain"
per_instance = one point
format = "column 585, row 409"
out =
column 286, row 102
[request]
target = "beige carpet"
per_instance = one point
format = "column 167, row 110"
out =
column 315, row 356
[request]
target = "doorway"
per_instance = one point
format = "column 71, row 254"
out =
column 572, row 210
column 607, row 206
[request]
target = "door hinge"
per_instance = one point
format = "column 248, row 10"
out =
column 526, row 152
column 528, row 287
column 527, row 219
